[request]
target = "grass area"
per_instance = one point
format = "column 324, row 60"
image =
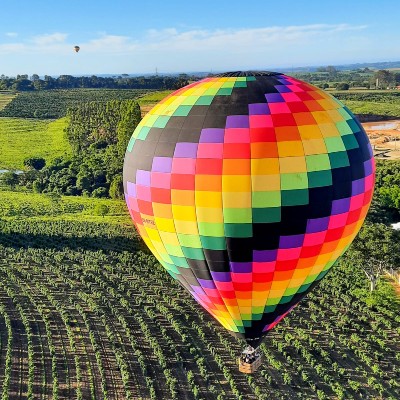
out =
column 372, row 107
column 5, row 98
column 22, row 138
column 44, row 207
column 154, row 97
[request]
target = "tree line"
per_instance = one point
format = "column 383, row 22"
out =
column 22, row 83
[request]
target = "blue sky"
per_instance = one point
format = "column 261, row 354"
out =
column 128, row 36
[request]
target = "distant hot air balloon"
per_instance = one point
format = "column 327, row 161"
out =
column 247, row 187
column 77, row 48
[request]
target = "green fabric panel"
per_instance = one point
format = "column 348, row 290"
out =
column 189, row 240
column 350, row 142
column 132, row 141
column 204, row 100
column 353, row 125
column 211, row 229
column 297, row 180
column 194, row 254
column 240, row 215
column 180, row 261
column 213, row 243
column 161, row 121
column 228, row 84
column 304, row 288
column 224, row 92
column 240, row 84
column 343, row 112
column 266, row 199
column 295, row 197
column 291, row 291
column 247, row 320
column 143, row 133
column 343, row 128
column 318, row 162
column 238, row 230
column 250, row 78
column 334, row 144
column 320, row 178
column 257, row 317
column 182, row 111
column 339, row 159
column 266, row 215
column 190, row 100
column 285, row 299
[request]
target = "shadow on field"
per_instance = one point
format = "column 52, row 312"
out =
column 58, row 242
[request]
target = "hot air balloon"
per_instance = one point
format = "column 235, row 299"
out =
column 247, row 187
column 77, row 48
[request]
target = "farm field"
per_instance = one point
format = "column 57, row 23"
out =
column 5, row 98
column 86, row 312
column 54, row 103
column 22, row 138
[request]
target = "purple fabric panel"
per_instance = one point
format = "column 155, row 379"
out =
column 282, row 89
column 264, row 255
column 241, row 267
column 207, row 284
column 212, row 135
column 259, row 109
column 162, row 164
column 357, row 187
column 288, row 242
column 340, row 206
column 143, row 177
column 131, row 189
column 186, row 150
column 237, row 121
column 317, row 225
column 221, row 276
column 274, row 98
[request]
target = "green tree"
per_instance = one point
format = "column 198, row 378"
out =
column 117, row 188
column 9, row 178
column 375, row 250
column 101, row 209
column 37, row 163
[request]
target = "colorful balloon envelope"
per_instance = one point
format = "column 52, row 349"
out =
column 247, row 187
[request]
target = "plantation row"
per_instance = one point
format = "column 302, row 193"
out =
column 87, row 313
column 54, row 103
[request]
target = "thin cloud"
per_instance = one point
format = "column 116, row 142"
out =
column 11, row 34
column 49, row 39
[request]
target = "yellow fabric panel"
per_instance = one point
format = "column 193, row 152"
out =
column 184, row 213
column 236, row 200
column 236, row 183
column 165, row 224
column 169, row 238
column 266, row 183
column 321, row 117
column 329, row 130
column 162, row 210
column 188, row 227
column 208, row 199
column 265, row 166
column 208, row 214
column 314, row 146
column 310, row 132
column 182, row 197
column 292, row 165
column 291, row 148
column 335, row 115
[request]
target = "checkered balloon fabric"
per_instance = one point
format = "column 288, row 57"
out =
column 247, row 187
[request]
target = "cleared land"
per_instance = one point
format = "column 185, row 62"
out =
column 22, row 138
column 5, row 98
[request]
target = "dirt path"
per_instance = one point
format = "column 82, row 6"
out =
column 384, row 137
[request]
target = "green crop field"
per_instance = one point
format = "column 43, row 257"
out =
column 54, row 103
column 87, row 313
column 22, row 138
